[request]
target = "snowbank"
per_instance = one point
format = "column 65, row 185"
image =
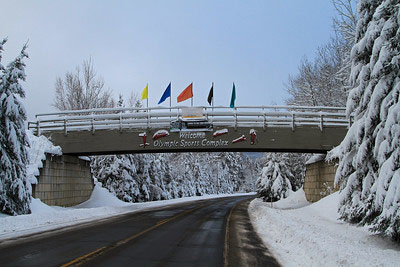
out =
column 313, row 235
column 102, row 204
column 101, row 197
column 36, row 152
column 295, row 200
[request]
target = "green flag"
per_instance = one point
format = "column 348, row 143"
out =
column 233, row 98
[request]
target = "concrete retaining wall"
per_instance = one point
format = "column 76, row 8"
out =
column 64, row 181
column 319, row 180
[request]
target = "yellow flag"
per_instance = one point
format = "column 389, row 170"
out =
column 145, row 93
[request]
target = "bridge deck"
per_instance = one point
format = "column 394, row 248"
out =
column 126, row 130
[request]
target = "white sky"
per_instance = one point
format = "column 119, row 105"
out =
column 255, row 44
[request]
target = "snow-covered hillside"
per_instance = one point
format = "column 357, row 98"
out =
column 313, row 235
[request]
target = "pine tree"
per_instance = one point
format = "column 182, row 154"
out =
column 117, row 173
column 147, row 177
column 274, row 182
column 297, row 163
column 15, row 190
column 369, row 168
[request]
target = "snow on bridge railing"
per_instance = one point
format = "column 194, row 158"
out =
column 161, row 117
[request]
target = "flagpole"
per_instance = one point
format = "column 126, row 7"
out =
column 192, row 96
column 148, row 113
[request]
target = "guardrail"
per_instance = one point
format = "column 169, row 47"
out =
column 161, row 117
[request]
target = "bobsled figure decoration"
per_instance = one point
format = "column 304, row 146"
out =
column 160, row 134
column 253, row 136
column 144, row 136
column 240, row 139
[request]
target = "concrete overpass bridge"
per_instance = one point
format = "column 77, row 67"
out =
column 199, row 129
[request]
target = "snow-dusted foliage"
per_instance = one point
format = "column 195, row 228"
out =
column 15, row 190
column 323, row 81
column 369, row 168
column 146, row 177
column 214, row 173
column 297, row 165
column 117, row 173
column 251, row 169
column 316, row 83
column 274, row 182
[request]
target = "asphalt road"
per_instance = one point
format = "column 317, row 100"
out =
column 213, row 232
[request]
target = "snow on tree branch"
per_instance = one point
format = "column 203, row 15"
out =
column 369, row 168
column 15, row 189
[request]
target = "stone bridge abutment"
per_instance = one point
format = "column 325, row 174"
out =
column 64, row 181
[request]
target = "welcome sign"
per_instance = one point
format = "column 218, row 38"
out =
column 186, row 139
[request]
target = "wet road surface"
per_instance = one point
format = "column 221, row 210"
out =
column 213, row 232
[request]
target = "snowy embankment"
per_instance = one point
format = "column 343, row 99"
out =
column 313, row 236
column 38, row 146
column 101, row 205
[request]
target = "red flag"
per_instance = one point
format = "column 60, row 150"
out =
column 186, row 94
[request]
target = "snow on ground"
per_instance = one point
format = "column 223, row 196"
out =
column 295, row 200
column 313, row 235
column 102, row 204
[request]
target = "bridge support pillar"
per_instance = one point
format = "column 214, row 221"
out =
column 64, row 181
column 319, row 180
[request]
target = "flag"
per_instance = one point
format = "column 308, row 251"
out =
column 233, row 97
column 145, row 93
column 166, row 94
column 186, row 94
column 210, row 94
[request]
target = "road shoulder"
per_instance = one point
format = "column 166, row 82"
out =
column 243, row 247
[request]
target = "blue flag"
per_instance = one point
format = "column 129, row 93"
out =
column 167, row 93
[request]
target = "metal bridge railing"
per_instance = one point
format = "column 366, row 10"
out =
column 161, row 117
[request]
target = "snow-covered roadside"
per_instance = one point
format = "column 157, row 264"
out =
column 101, row 205
column 313, row 236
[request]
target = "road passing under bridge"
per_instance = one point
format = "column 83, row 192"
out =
column 214, row 232
column 178, row 129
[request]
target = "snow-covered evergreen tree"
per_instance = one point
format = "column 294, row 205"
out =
column 15, row 190
column 369, row 167
column 118, row 175
column 147, row 177
column 251, row 171
column 274, row 182
column 297, row 165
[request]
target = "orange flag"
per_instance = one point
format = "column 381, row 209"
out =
column 186, row 94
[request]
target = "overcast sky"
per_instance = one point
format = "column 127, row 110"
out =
column 255, row 44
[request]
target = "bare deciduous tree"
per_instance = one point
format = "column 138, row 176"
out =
column 134, row 100
column 324, row 81
column 345, row 21
column 82, row 89
column 317, row 82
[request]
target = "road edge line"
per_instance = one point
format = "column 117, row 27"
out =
column 227, row 228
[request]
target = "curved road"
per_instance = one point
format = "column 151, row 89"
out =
column 214, row 232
